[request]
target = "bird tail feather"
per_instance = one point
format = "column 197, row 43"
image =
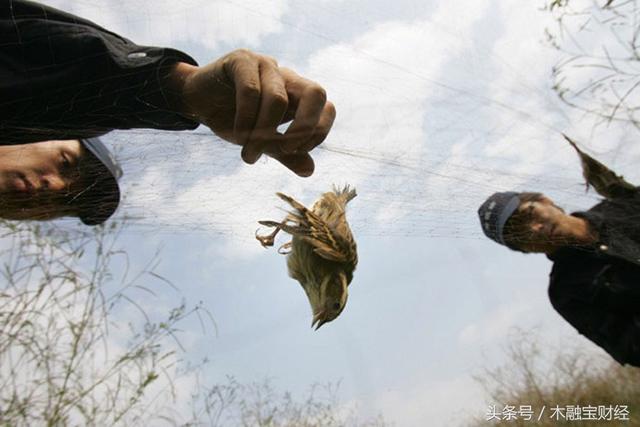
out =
column 347, row 192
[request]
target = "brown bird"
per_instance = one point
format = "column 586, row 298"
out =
column 322, row 253
column 600, row 177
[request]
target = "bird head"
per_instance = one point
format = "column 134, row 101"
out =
column 332, row 299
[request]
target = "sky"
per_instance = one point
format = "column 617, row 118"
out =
column 439, row 104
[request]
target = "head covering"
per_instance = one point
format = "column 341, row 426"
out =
column 99, row 198
column 495, row 212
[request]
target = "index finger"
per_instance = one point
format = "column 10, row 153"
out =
column 273, row 106
column 310, row 100
column 244, row 71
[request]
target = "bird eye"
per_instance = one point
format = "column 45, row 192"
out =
column 336, row 306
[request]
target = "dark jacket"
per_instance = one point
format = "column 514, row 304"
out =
column 63, row 77
column 597, row 288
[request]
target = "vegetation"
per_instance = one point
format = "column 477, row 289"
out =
column 259, row 405
column 599, row 74
column 63, row 357
column 73, row 350
column 565, row 378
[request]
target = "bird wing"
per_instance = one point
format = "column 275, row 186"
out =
column 600, row 177
column 327, row 241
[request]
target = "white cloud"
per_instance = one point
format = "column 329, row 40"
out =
column 436, row 403
column 218, row 202
column 381, row 82
column 393, row 86
column 410, row 109
column 205, row 23
column 494, row 326
column 433, row 115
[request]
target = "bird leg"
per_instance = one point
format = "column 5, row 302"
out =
column 286, row 247
column 294, row 224
column 284, row 225
column 269, row 239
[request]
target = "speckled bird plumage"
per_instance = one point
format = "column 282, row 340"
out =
column 323, row 252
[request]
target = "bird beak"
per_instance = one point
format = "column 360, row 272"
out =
column 319, row 319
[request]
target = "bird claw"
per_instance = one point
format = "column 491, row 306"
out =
column 265, row 241
column 268, row 240
column 283, row 248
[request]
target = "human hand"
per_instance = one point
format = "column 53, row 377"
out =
column 244, row 96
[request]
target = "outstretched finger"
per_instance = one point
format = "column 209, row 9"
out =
column 310, row 99
column 273, row 106
column 243, row 70
column 327, row 117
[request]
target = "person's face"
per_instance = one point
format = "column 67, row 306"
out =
column 545, row 226
column 37, row 181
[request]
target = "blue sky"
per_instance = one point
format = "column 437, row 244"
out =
column 439, row 105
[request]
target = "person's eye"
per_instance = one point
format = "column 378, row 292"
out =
column 65, row 160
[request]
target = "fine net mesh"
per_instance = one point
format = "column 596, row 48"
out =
column 439, row 105
column 425, row 132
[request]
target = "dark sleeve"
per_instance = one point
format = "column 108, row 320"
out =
column 603, row 305
column 617, row 333
column 63, row 77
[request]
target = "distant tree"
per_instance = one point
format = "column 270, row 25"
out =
column 600, row 70
column 558, row 377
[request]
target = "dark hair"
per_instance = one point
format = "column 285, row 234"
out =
column 514, row 231
column 99, row 195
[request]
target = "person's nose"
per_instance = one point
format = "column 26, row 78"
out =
column 537, row 227
column 53, row 183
